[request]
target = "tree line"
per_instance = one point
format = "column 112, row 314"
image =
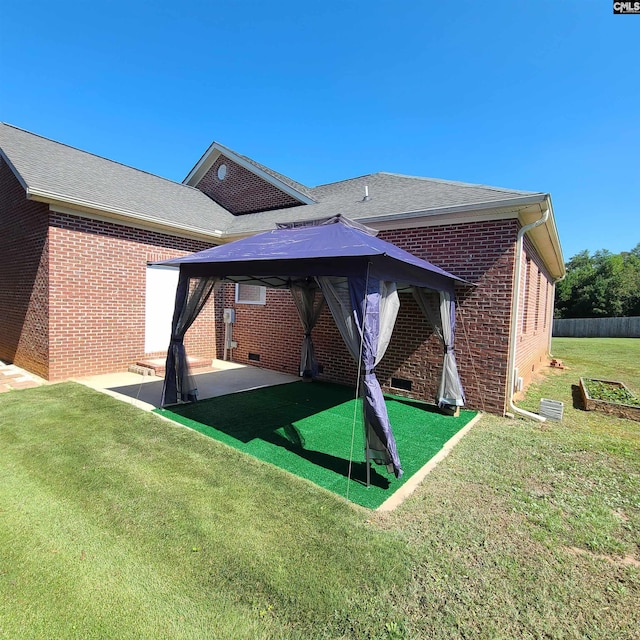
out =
column 602, row 285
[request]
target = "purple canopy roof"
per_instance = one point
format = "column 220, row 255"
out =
column 336, row 247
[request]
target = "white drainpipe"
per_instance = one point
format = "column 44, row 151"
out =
column 515, row 310
column 550, row 320
column 555, row 282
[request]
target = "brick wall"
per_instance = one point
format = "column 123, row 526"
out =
column 97, row 295
column 242, row 191
column 272, row 331
column 482, row 253
column 24, row 277
column 535, row 317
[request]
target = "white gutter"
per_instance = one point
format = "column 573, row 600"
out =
column 475, row 206
column 433, row 213
column 52, row 198
column 515, row 310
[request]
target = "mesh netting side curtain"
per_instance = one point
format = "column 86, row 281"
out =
column 191, row 296
column 365, row 312
column 309, row 306
column 441, row 313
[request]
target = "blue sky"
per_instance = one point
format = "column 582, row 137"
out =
column 541, row 95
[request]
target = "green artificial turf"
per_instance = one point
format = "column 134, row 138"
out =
column 307, row 430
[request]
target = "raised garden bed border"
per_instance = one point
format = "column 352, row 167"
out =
column 612, row 408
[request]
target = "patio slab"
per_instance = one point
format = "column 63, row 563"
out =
column 145, row 391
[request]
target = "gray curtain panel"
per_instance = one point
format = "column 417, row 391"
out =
column 451, row 392
column 439, row 309
column 191, row 296
column 309, row 303
column 365, row 312
column 336, row 292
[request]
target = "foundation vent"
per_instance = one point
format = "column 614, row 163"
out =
column 401, row 383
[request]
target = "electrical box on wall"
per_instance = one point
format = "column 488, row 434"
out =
column 229, row 316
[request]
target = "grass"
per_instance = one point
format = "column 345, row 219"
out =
column 116, row 524
column 307, row 428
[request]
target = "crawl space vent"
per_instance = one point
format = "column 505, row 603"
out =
column 401, row 383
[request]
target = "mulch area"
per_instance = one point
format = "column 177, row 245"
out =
column 13, row 378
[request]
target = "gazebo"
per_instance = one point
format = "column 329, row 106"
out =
column 358, row 275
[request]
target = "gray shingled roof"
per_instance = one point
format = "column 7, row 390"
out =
column 57, row 169
column 389, row 193
column 72, row 175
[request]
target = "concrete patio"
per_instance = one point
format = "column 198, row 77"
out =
column 227, row 377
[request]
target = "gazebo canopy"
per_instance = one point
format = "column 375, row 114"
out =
column 334, row 247
column 359, row 276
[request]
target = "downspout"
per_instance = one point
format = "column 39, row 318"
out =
column 555, row 282
column 553, row 307
column 515, row 310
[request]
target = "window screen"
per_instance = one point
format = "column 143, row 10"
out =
column 250, row 294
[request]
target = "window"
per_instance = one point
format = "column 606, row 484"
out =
column 250, row 294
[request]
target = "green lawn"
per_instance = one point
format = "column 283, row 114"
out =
column 117, row 524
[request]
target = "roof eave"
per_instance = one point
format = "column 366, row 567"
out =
column 80, row 207
column 399, row 219
column 545, row 239
column 517, row 201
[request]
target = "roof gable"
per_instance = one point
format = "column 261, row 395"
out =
column 295, row 190
column 242, row 191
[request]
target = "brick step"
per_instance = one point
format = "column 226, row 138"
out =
column 156, row 366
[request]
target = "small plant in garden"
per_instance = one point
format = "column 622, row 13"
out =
column 610, row 392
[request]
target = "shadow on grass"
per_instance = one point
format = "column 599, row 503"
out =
column 576, row 397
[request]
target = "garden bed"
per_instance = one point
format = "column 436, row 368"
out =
column 609, row 396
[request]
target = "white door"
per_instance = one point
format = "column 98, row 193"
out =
column 162, row 283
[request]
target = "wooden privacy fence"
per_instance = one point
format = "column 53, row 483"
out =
column 597, row 328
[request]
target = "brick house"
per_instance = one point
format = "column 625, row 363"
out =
column 79, row 295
